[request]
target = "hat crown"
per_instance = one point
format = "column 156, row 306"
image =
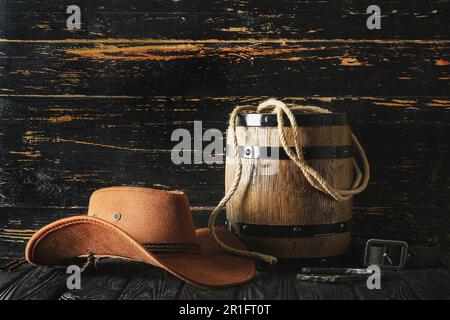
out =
column 150, row 216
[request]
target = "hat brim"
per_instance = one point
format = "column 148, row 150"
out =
column 69, row 238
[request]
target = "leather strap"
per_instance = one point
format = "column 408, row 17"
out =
column 388, row 254
column 417, row 255
column 14, row 264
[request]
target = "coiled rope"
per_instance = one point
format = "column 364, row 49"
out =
column 314, row 178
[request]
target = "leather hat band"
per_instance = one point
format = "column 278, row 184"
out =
column 161, row 248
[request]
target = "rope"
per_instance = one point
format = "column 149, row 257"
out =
column 237, row 178
column 91, row 260
column 314, row 178
column 14, row 264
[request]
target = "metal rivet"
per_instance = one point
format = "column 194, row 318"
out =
column 117, row 216
column 248, row 152
column 297, row 229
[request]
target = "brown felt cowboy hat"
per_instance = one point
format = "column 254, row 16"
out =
column 147, row 225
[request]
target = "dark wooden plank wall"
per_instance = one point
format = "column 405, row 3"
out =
column 80, row 110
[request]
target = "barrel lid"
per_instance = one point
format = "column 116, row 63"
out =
column 303, row 119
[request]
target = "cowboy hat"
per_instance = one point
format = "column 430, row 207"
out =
column 147, row 225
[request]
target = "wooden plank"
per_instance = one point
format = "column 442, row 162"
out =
column 42, row 283
column 429, row 284
column 97, row 287
column 111, row 145
column 7, row 277
column 67, row 148
column 307, row 290
column 270, row 285
column 190, row 292
column 335, row 291
column 112, row 281
column 215, row 67
column 152, row 284
column 194, row 19
column 107, row 282
column 393, row 287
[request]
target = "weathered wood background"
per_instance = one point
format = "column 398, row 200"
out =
column 85, row 109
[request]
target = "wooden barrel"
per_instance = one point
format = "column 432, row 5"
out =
column 275, row 210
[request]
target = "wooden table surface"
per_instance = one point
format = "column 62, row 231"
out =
column 118, row 280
